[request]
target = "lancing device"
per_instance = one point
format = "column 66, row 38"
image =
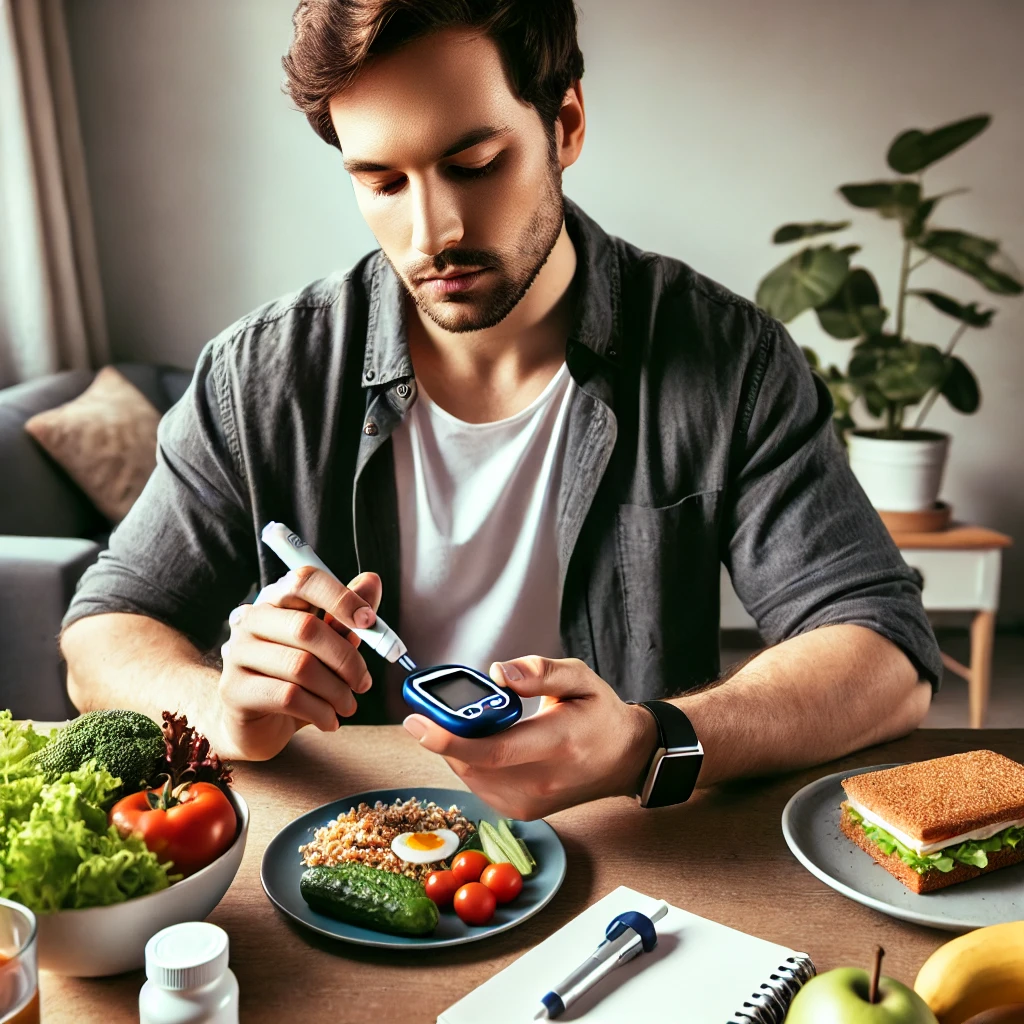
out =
column 295, row 552
column 628, row 935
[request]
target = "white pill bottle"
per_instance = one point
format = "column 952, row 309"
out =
column 188, row 978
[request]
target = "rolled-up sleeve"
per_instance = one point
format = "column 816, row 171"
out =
column 804, row 546
column 185, row 553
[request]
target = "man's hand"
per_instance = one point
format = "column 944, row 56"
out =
column 583, row 743
column 285, row 668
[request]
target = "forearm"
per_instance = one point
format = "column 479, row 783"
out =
column 117, row 660
column 807, row 700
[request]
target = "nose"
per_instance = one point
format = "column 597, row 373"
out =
column 436, row 220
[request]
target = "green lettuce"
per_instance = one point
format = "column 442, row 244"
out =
column 57, row 851
column 973, row 852
column 18, row 740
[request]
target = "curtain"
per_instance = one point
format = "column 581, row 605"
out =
column 51, row 301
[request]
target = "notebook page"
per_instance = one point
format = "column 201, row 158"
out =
column 700, row 972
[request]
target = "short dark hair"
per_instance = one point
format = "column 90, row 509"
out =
column 334, row 39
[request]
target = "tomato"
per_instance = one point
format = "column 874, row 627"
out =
column 189, row 827
column 469, row 865
column 441, row 886
column 475, row 903
column 503, row 880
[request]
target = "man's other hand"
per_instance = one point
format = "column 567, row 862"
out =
column 285, row 668
column 584, row 743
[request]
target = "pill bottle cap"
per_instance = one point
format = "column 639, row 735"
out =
column 187, row 955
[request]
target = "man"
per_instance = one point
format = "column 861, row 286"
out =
column 539, row 444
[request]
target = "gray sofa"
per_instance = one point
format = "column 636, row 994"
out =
column 49, row 534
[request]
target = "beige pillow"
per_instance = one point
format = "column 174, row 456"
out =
column 105, row 439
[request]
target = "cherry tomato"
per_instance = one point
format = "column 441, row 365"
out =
column 469, row 865
column 190, row 827
column 475, row 903
column 441, row 887
column 503, row 880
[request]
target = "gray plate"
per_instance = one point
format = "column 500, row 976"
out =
column 810, row 823
column 282, row 867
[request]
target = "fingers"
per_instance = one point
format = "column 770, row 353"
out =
column 294, row 666
column 528, row 741
column 302, row 634
column 321, row 590
column 258, row 694
column 533, row 676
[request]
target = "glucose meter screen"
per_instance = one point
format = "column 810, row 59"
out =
column 457, row 690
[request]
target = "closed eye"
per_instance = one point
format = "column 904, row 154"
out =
column 390, row 188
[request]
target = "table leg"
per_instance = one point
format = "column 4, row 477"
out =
column 982, row 633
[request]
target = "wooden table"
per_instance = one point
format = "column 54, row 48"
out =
column 722, row 856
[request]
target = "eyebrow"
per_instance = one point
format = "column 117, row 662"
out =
column 465, row 141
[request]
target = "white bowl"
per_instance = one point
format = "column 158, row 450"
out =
column 98, row 941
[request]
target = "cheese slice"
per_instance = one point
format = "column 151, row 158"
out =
column 922, row 848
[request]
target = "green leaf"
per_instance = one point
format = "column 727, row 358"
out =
column 855, row 310
column 890, row 198
column 903, row 373
column 874, row 399
column 973, row 255
column 913, row 227
column 794, row 232
column 811, row 356
column 970, row 314
column 914, row 150
column 960, row 388
column 808, row 279
column 849, row 250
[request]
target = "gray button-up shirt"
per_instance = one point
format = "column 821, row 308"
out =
column 697, row 436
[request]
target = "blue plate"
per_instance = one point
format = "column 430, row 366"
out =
column 282, row 867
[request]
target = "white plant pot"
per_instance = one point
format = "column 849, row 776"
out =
column 903, row 475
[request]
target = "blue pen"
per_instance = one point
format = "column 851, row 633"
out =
column 627, row 936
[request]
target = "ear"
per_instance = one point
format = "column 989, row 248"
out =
column 570, row 126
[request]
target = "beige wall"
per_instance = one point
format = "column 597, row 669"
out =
column 710, row 123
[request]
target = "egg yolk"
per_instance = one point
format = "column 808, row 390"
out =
column 424, row 841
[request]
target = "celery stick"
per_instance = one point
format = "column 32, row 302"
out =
column 488, row 842
column 509, row 852
column 510, row 842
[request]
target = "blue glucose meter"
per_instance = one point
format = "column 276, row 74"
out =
column 462, row 700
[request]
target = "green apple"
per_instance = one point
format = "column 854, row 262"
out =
column 841, row 997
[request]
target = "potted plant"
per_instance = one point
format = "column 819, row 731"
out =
column 890, row 372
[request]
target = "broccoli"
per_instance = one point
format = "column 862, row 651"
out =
column 127, row 744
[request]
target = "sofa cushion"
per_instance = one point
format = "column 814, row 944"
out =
column 105, row 439
column 41, row 499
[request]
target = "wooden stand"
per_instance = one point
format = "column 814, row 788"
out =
column 961, row 568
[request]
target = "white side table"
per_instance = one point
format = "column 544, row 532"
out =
column 961, row 568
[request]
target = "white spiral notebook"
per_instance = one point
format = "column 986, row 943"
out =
column 701, row 972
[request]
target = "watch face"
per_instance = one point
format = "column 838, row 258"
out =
column 674, row 779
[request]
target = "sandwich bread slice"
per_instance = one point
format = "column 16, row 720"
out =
column 935, row 823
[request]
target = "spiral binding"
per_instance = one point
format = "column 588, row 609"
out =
column 770, row 1004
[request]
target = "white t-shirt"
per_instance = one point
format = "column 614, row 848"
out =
column 477, row 504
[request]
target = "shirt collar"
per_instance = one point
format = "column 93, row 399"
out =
column 596, row 321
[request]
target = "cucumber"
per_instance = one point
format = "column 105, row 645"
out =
column 369, row 897
column 501, row 845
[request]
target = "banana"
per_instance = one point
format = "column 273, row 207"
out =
column 974, row 972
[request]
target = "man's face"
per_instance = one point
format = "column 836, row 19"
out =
column 457, row 179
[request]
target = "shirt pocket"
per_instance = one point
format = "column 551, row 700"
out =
column 669, row 568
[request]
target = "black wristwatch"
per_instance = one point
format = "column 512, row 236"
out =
column 672, row 773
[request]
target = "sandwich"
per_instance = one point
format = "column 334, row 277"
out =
column 933, row 824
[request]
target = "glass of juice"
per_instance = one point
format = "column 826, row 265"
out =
column 19, row 978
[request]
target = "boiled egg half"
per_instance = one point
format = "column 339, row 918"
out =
column 425, row 847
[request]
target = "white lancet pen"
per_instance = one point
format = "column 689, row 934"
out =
column 295, row 552
column 628, row 935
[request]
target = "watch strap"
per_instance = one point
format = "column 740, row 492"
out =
column 677, row 739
